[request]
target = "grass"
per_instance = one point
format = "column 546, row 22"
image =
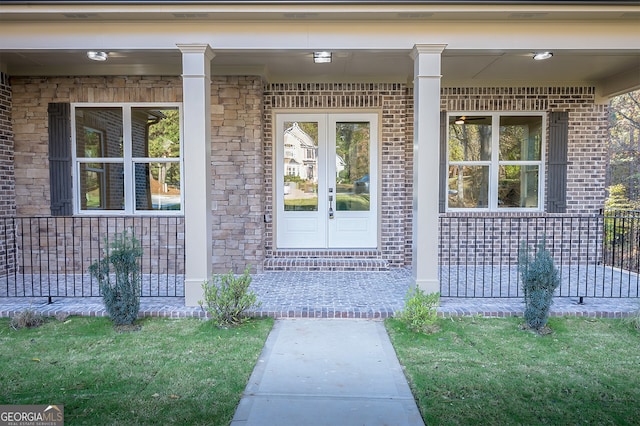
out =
column 172, row 371
column 488, row 371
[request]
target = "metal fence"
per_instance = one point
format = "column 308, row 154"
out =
column 596, row 255
column 50, row 256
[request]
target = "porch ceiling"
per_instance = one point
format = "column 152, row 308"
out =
column 459, row 67
column 488, row 43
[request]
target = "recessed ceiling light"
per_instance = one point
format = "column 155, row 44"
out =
column 321, row 57
column 540, row 56
column 97, row 56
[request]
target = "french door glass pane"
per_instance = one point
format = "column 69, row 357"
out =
column 468, row 186
column 300, row 169
column 518, row 186
column 520, row 138
column 352, row 166
column 101, row 186
column 157, row 186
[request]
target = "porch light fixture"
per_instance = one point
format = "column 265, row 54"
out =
column 459, row 120
column 97, row 56
column 322, row 57
column 541, row 56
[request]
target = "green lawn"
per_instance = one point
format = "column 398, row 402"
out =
column 172, row 371
column 488, row 371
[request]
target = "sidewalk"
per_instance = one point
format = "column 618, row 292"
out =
column 327, row 372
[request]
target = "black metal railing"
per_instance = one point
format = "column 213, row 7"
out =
column 597, row 255
column 50, row 256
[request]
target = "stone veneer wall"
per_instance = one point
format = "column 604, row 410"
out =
column 238, row 174
column 388, row 98
column 67, row 245
column 31, row 96
column 236, row 150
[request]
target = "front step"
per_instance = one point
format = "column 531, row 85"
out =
column 326, row 261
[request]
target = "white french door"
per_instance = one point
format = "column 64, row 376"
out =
column 326, row 180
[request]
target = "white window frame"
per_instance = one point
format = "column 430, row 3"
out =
column 494, row 164
column 127, row 159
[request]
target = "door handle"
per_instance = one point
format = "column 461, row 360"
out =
column 330, row 203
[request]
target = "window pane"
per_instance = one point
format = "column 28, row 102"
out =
column 155, row 132
column 101, row 186
column 521, row 138
column 157, row 186
column 300, row 169
column 99, row 132
column 470, row 139
column 518, row 186
column 352, row 166
column 468, row 186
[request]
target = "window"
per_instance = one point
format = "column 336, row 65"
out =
column 495, row 161
column 127, row 158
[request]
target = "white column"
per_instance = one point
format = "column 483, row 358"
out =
column 196, row 87
column 426, row 137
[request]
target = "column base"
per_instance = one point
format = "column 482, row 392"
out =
column 193, row 292
column 428, row 286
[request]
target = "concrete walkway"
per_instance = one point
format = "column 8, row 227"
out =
column 327, row 372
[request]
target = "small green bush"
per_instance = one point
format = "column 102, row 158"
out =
column 26, row 319
column 118, row 274
column 420, row 311
column 540, row 279
column 227, row 298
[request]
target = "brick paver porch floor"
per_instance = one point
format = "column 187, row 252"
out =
column 330, row 295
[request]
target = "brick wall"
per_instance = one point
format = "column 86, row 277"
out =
column 7, row 187
column 391, row 100
column 242, row 146
column 7, row 180
column 588, row 122
column 492, row 241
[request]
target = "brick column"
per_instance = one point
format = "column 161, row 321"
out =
column 7, row 177
column 196, row 84
column 7, row 190
column 426, row 132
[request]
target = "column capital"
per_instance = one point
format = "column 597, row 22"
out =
column 419, row 49
column 204, row 49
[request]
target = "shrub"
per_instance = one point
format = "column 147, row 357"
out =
column 228, row 297
column 540, row 278
column 118, row 275
column 26, row 319
column 420, row 311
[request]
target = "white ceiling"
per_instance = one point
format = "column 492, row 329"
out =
column 616, row 69
column 277, row 66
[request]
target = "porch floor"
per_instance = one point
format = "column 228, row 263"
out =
column 296, row 294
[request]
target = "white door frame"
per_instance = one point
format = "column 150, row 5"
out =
column 315, row 229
